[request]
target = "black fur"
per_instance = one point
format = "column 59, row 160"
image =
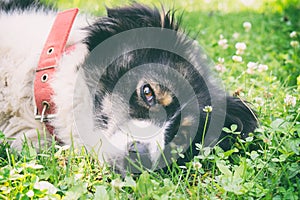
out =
column 126, row 18
column 11, row 5
column 138, row 16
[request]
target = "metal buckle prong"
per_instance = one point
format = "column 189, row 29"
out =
column 45, row 107
column 43, row 117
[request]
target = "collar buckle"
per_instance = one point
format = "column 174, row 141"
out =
column 43, row 117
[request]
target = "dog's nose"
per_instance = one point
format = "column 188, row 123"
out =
column 137, row 147
column 138, row 157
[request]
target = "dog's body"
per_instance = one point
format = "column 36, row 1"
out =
column 107, row 113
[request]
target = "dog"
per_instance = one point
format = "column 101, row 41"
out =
column 129, row 86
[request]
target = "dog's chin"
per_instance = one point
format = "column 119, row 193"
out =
column 134, row 146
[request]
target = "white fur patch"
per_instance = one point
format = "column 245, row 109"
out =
column 22, row 37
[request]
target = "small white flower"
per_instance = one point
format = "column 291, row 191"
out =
column 260, row 101
column 252, row 66
column 236, row 58
column 236, row 35
column 262, row 68
column 294, row 43
column 221, row 60
column 247, row 26
column 207, row 109
column 240, row 46
column 289, row 100
column 250, row 71
column 30, row 193
column 223, row 43
column 293, row 34
column 220, row 68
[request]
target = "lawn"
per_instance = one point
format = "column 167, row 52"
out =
column 256, row 50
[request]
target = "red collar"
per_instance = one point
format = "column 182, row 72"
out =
column 49, row 61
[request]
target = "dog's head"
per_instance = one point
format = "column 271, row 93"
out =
column 146, row 93
column 149, row 85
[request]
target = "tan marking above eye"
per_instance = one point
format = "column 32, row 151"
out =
column 165, row 99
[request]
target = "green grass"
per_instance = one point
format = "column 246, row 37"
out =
column 270, row 172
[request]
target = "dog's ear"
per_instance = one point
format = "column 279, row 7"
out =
column 144, row 16
column 135, row 16
column 238, row 112
column 127, row 18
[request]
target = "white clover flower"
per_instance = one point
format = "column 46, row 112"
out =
column 289, row 100
column 223, row 43
column 220, row 68
column 260, row 101
column 240, row 46
column 252, row 66
column 250, row 71
column 247, row 26
column 293, row 34
column 262, row 68
column 30, row 193
column 221, row 60
column 294, row 43
column 236, row 35
column 236, row 58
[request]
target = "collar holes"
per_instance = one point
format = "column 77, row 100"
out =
column 50, row 51
column 44, row 78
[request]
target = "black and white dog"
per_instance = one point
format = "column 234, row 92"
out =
column 131, row 86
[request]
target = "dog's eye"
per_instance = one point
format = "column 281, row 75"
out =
column 148, row 95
